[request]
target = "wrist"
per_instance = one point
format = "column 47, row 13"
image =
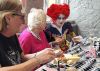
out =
column 37, row 59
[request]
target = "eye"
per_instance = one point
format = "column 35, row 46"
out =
column 16, row 14
column 61, row 18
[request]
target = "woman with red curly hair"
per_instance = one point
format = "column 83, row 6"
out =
column 58, row 26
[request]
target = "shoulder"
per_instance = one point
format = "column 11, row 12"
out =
column 48, row 25
column 24, row 37
column 67, row 23
column 25, row 34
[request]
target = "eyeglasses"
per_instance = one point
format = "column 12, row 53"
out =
column 17, row 14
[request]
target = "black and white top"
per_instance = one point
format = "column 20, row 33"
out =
column 10, row 51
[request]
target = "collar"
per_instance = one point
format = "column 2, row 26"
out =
column 37, row 36
column 59, row 29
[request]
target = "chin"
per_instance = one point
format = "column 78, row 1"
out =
column 17, row 31
column 59, row 25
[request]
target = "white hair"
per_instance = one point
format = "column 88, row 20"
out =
column 36, row 17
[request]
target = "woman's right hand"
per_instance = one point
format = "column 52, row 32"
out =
column 59, row 39
column 45, row 55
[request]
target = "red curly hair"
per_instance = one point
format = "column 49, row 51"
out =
column 55, row 9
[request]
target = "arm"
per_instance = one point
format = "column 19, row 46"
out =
column 26, row 66
column 68, row 31
column 26, row 57
column 43, row 56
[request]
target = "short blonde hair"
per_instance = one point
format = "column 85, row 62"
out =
column 6, row 7
column 36, row 17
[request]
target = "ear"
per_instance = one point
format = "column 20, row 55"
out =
column 7, row 18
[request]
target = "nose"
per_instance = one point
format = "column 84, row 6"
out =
column 61, row 20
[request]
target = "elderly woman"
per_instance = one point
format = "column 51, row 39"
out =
column 33, row 39
column 11, row 55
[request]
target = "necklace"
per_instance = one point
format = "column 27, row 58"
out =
column 36, row 35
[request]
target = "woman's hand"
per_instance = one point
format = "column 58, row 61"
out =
column 77, row 39
column 59, row 39
column 45, row 55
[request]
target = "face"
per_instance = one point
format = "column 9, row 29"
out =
column 16, row 20
column 60, row 20
column 42, row 26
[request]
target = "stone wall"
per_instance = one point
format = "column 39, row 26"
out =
column 86, row 13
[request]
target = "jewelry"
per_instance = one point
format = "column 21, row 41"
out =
column 37, row 36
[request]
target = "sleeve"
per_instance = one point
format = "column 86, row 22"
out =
column 71, row 31
column 25, row 44
column 48, row 34
column 68, row 24
column 70, row 34
column 46, row 41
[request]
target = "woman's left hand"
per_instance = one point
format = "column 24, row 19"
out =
column 77, row 39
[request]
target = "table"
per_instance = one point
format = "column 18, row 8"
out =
column 46, row 68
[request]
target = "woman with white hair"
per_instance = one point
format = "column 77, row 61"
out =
column 33, row 39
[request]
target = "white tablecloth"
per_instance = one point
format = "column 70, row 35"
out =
column 46, row 68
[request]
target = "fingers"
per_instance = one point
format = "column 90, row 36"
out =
column 46, row 55
column 58, row 53
column 54, row 53
column 76, row 39
column 65, row 31
column 49, row 54
column 50, row 51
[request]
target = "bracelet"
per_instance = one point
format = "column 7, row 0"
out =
column 35, row 55
column 38, row 60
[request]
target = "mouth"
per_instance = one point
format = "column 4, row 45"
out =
column 60, row 23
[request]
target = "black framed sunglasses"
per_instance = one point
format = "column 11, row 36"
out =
column 17, row 14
